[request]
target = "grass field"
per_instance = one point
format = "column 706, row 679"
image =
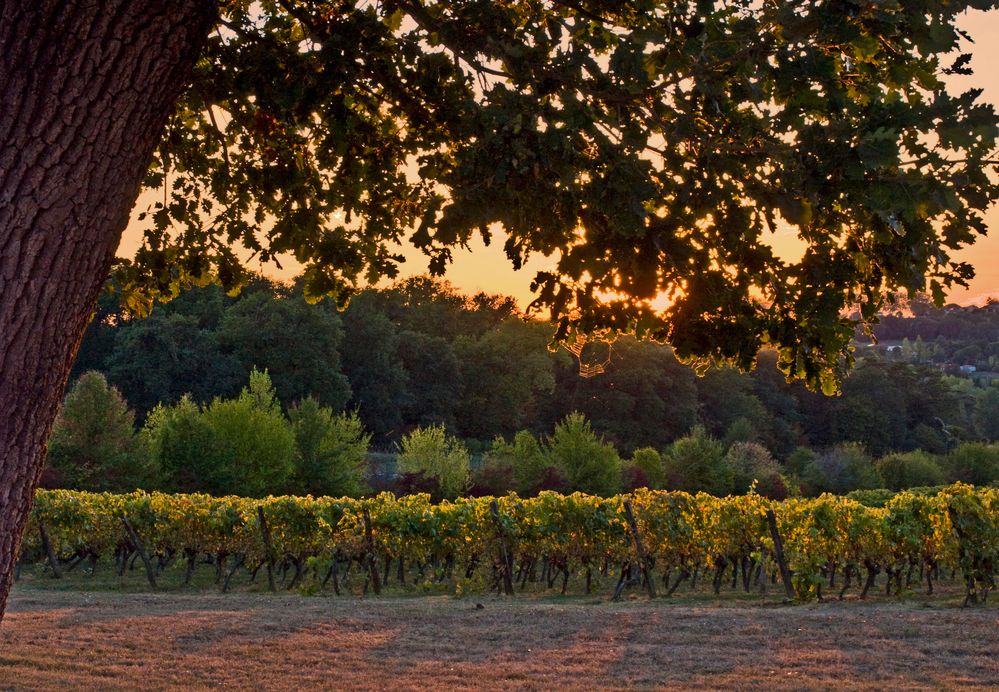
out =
column 62, row 637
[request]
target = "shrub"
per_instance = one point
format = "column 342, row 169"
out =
column 437, row 455
column 803, row 471
column 417, row 483
column 186, row 449
column 634, row 477
column 750, row 462
column 255, row 440
column 494, row 477
column 589, row 464
column 93, row 445
column 776, row 487
column 973, row 463
column 331, row 451
column 872, row 498
column 848, row 467
column 525, row 458
column 908, row 470
column 697, row 463
column 650, row 463
column 554, row 480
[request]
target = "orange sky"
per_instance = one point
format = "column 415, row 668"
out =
column 487, row 269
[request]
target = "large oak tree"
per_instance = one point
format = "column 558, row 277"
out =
column 652, row 146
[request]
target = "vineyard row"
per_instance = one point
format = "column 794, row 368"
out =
column 652, row 540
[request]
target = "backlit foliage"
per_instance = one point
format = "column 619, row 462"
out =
column 652, row 147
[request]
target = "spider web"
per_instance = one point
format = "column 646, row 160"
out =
column 590, row 364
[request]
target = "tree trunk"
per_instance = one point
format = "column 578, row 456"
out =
column 87, row 87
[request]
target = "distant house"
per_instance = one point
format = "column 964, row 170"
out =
column 968, row 369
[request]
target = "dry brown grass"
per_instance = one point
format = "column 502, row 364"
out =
column 106, row 640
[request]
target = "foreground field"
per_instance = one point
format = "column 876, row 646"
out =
column 129, row 640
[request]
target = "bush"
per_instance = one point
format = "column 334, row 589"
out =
column 908, row 470
column 871, row 498
column 417, row 483
column 435, row 454
column 255, row 441
column 554, row 480
column 331, row 451
column 973, row 463
column 776, row 487
column 93, row 445
column 803, row 470
column 525, row 458
column 589, row 464
column 750, row 462
column 848, row 467
column 696, row 463
column 494, row 477
column 650, row 463
column 634, row 477
column 186, row 449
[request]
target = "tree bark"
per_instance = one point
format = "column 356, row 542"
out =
column 87, row 87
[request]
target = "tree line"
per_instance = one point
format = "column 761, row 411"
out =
column 420, row 353
column 268, row 393
column 248, row 446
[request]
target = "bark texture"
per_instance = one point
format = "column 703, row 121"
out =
column 86, row 88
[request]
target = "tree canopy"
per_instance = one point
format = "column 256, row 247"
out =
column 653, row 148
column 94, row 445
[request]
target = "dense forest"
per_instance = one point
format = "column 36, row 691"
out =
column 421, row 356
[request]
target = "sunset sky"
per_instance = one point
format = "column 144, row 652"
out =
column 487, row 269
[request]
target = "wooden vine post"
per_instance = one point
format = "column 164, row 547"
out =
column 265, row 533
column 369, row 542
column 640, row 549
column 141, row 549
column 785, row 573
column 505, row 554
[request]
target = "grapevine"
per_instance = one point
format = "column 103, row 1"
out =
column 549, row 541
